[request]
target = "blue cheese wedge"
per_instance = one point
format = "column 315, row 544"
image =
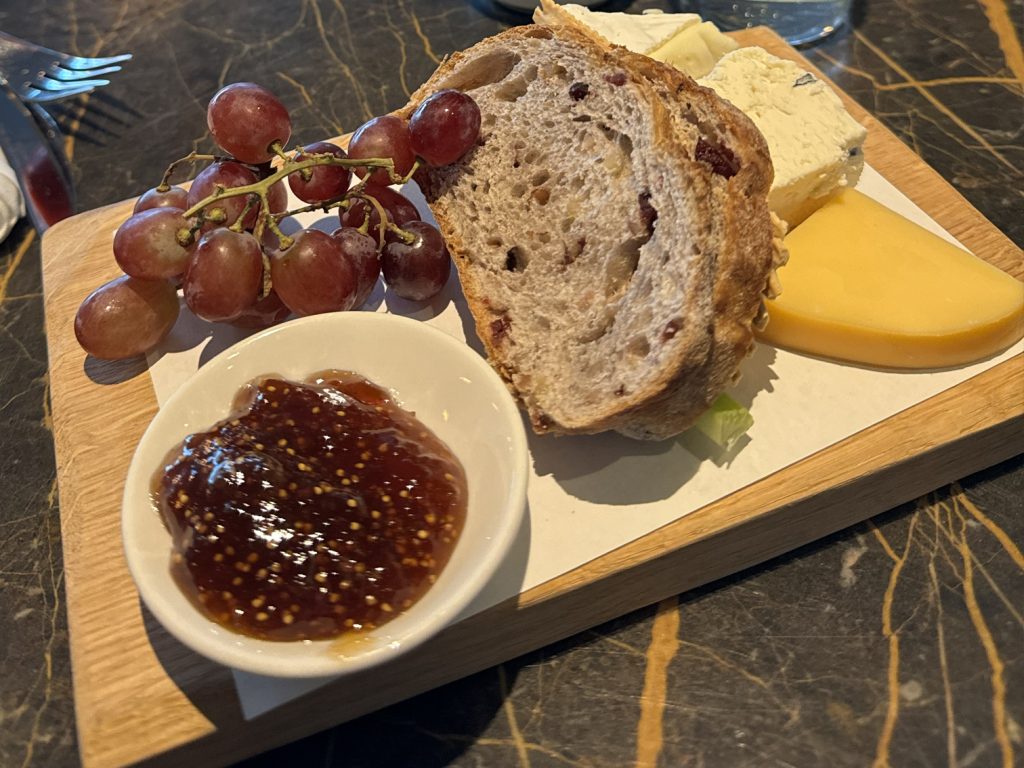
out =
column 815, row 145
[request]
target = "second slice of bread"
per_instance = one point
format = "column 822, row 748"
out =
column 610, row 230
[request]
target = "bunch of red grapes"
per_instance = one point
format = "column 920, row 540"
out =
column 220, row 241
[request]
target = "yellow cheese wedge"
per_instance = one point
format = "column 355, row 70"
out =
column 866, row 285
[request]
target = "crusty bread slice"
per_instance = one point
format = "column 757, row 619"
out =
column 610, row 230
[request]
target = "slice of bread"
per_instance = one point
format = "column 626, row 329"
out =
column 610, row 230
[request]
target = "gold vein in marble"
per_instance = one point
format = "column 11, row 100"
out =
column 1001, row 536
column 15, row 262
column 893, row 636
column 933, row 99
column 999, row 19
column 987, row 641
column 1012, row 83
column 427, row 49
column 947, row 530
column 56, row 582
column 513, row 723
column 402, row 53
column 311, row 102
column 661, row 651
column 357, row 86
column 947, row 690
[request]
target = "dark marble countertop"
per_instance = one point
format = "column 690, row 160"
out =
column 898, row 642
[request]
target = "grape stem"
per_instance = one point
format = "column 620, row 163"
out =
column 191, row 157
column 381, row 213
column 261, row 188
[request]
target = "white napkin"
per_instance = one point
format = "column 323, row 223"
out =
column 12, row 206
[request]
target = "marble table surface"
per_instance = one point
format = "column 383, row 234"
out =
column 898, row 642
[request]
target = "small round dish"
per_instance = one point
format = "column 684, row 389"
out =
column 449, row 387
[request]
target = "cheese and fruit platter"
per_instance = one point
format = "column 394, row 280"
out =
column 615, row 306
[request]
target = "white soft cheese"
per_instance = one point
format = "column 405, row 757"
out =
column 640, row 33
column 816, row 147
column 12, row 205
column 695, row 50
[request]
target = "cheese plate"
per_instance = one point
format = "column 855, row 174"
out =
column 140, row 695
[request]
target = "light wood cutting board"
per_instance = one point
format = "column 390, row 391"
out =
column 141, row 696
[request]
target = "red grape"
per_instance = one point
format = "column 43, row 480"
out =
column 226, row 174
column 355, row 215
column 147, row 245
column 245, row 119
column 126, row 317
column 268, row 311
column 361, row 251
column 417, row 270
column 314, row 275
column 326, row 182
column 386, row 136
column 399, row 208
column 444, row 127
column 277, row 197
column 174, row 197
column 224, row 275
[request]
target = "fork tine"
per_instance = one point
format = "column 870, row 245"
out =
column 47, row 84
column 79, row 62
column 38, row 96
column 73, row 75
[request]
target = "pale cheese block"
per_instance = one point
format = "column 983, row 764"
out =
column 815, row 145
column 695, row 49
column 865, row 285
column 640, row 33
column 680, row 39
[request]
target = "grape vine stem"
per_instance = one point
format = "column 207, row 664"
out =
column 260, row 189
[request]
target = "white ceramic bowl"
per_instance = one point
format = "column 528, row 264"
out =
column 450, row 388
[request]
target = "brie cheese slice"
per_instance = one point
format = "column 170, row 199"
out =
column 640, row 33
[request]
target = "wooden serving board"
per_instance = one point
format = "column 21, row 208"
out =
column 142, row 697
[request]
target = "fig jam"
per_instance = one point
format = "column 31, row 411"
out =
column 320, row 508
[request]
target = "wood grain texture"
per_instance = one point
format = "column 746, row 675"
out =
column 141, row 696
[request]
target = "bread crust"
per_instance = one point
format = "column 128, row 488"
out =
column 733, row 280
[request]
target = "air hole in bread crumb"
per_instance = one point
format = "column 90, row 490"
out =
column 515, row 259
column 573, row 250
column 483, row 70
column 541, row 196
column 567, row 224
column 539, row 178
column 544, row 238
column 531, row 157
column 493, row 242
column 512, row 89
column 638, row 346
column 671, row 328
column 518, row 190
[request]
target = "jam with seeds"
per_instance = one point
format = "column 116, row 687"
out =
column 321, row 508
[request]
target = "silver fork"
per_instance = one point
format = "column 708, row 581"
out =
column 40, row 74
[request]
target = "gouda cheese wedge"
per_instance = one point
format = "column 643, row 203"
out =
column 866, row 285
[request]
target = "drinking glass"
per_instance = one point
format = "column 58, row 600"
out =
column 799, row 21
